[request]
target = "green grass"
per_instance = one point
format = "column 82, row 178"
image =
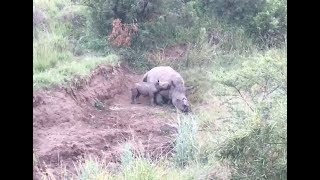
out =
column 186, row 142
column 141, row 169
column 251, row 134
column 54, row 61
column 92, row 168
column 50, row 39
column 239, row 125
column 53, row 7
column 258, row 153
column 49, row 51
column 223, row 139
column 65, row 71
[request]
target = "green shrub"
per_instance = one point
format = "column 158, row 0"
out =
column 233, row 10
column 262, row 76
column 257, row 146
column 135, row 58
column 103, row 12
column 271, row 23
column 259, row 154
column 265, row 20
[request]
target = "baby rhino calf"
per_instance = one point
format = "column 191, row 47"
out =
column 147, row 89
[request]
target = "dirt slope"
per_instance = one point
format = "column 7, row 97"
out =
column 95, row 116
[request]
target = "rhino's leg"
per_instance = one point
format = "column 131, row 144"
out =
column 137, row 97
column 152, row 97
column 158, row 99
column 134, row 94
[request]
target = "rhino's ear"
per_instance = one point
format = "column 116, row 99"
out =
column 145, row 79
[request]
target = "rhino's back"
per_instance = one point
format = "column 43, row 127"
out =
column 163, row 73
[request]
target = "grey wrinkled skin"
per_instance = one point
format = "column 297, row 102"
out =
column 147, row 89
column 176, row 94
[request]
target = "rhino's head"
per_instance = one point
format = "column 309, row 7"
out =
column 181, row 102
column 162, row 85
column 179, row 99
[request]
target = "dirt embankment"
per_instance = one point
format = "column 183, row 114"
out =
column 95, row 116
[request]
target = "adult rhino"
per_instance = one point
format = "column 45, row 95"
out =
column 177, row 92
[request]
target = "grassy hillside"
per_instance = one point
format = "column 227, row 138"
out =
column 57, row 28
column 234, row 57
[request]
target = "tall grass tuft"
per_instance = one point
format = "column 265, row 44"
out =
column 92, row 168
column 186, row 146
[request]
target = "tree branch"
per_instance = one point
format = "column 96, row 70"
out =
column 270, row 92
column 243, row 97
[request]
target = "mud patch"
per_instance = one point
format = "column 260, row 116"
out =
column 95, row 117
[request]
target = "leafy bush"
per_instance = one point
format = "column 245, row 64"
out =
column 259, row 154
column 76, row 15
column 137, row 59
column 263, row 76
column 258, row 148
column 266, row 20
column 271, row 23
column 103, row 12
column 233, row 10
column 160, row 22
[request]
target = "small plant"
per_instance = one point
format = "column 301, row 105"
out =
column 99, row 105
column 127, row 156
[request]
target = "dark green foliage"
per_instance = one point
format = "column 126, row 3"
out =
column 259, row 150
column 103, row 12
column 265, row 20
column 260, row 154
column 235, row 10
column 136, row 59
column 271, row 23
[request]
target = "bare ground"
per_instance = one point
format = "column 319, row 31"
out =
column 95, row 117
